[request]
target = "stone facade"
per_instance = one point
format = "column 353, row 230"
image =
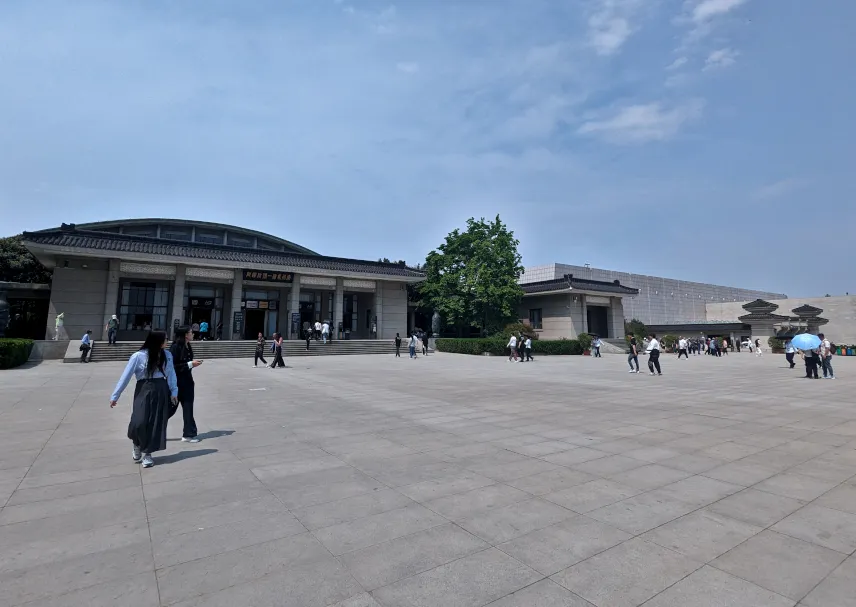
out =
column 660, row 300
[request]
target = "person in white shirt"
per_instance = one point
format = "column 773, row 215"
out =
column 682, row 348
column 826, row 357
column 512, row 348
column 653, row 352
column 414, row 341
column 596, row 344
column 527, row 348
column 789, row 353
column 317, row 330
column 325, row 331
column 758, row 350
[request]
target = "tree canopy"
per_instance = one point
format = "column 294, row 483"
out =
column 17, row 264
column 472, row 277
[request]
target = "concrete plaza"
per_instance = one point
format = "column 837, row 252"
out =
column 448, row 481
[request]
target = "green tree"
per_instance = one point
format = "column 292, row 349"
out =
column 17, row 264
column 472, row 277
column 636, row 328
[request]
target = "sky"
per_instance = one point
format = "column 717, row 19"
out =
column 707, row 140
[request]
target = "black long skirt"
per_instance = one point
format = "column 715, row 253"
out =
column 150, row 415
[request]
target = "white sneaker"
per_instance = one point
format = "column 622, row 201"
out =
column 193, row 439
column 652, row 373
column 137, row 455
column 148, row 462
column 632, row 371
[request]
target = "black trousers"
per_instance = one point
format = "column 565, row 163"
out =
column 789, row 356
column 683, row 351
column 811, row 367
column 529, row 354
column 186, row 394
column 259, row 357
column 277, row 360
column 397, row 351
column 654, row 361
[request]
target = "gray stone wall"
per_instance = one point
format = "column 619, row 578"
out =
column 394, row 310
column 840, row 311
column 556, row 321
column 660, row 300
column 79, row 293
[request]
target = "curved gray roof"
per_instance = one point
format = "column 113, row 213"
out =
column 119, row 225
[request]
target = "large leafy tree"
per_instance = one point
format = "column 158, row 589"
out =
column 472, row 277
column 17, row 264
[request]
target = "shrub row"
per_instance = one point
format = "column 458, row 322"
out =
column 14, row 352
column 497, row 347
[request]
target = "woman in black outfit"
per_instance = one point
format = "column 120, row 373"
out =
column 260, row 350
column 277, row 349
column 182, row 358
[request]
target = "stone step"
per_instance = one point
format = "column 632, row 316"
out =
column 122, row 351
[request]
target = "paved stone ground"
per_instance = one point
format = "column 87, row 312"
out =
column 447, row 481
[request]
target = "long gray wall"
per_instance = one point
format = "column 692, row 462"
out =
column 839, row 311
column 660, row 300
column 78, row 293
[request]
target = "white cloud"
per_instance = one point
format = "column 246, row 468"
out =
column 780, row 188
column 610, row 25
column 707, row 9
column 643, row 122
column 721, row 58
column 679, row 62
column 408, row 67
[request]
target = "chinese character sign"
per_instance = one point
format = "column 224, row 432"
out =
column 268, row 276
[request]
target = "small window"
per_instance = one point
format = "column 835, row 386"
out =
column 535, row 318
column 209, row 237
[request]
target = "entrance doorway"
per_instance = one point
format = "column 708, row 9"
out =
column 254, row 323
column 198, row 316
column 598, row 321
column 307, row 317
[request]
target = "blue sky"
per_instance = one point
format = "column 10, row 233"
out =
column 709, row 140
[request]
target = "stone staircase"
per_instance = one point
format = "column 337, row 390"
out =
column 122, row 351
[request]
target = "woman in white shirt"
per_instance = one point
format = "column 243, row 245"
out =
column 156, row 388
column 653, row 351
column 758, row 350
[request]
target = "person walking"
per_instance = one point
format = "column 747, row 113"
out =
column 85, row 346
column 260, row 350
column 725, row 346
column 512, row 348
column 325, row 332
column 203, row 330
column 826, row 357
column 277, row 352
column 195, row 328
column 317, row 330
column 653, row 352
column 789, row 353
column 184, row 363
column 596, row 345
column 398, row 345
column 759, row 351
column 112, row 330
column 308, row 336
column 156, row 388
column 682, row 348
column 412, row 344
column 425, row 343
column 633, row 354
column 528, row 348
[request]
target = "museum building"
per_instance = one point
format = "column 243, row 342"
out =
column 161, row 273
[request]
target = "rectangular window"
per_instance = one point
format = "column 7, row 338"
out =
column 172, row 233
column 143, row 306
column 209, row 237
column 535, row 318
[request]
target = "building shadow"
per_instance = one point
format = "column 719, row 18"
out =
column 183, row 455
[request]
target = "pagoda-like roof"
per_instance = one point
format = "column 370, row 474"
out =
column 807, row 311
column 759, row 305
column 762, row 316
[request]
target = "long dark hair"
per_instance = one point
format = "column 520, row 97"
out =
column 154, row 346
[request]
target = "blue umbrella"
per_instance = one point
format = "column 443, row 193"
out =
column 805, row 341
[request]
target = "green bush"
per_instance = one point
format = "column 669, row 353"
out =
column 559, row 347
column 776, row 344
column 14, row 352
column 497, row 347
column 516, row 328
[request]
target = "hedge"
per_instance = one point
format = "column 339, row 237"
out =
column 14, row 352
column 497, row 347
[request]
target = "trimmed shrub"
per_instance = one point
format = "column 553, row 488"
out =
column 497, row 347
column 14, row 352
column 584, row 340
